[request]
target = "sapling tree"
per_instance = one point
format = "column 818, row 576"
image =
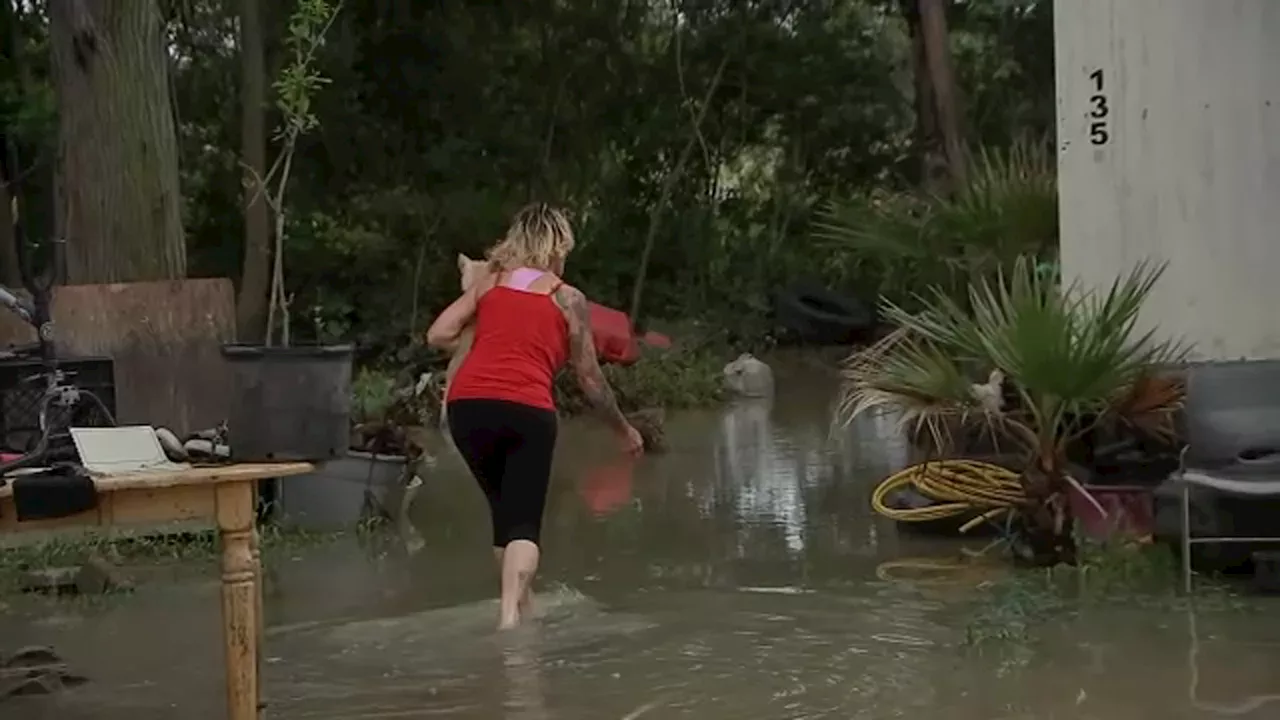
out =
column 295, row 88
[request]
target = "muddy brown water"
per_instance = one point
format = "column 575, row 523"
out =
column 740, row 576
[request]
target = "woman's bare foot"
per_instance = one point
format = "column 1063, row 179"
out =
column 524, row 613
column 519, row 565
column 526, row 605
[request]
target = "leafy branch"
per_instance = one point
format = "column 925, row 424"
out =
column 295, row 88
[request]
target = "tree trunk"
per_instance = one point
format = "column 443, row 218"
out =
column 933, row 163
column 1044, row 535
column 938, row 127
column 251, row 305
column 10, row 271
column 937, row 52
column 118, row 198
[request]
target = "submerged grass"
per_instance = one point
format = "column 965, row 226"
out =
column 1012, row 612
column 195, row 548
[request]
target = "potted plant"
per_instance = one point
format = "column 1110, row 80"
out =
column 291, row 402
column 371, row 477
column 1035, row 364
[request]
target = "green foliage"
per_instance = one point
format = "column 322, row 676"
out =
column 670, row 379
column 27, row 104
column 1007, row 209
column 1032, row 364
column 1071, row 356
column 372, row 395
column 122, row 547
column 28, row 111
column 300, row 81
column 1011, row 613
column 1002, row 52
column 428, row 123
column 1125, row 567
column 296, row 87
column 442, row 119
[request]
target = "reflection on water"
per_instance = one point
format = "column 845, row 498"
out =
column 741, row 575
column 751, row 468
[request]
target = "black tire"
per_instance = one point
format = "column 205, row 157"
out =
column 819, row 316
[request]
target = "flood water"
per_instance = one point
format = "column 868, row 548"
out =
column 741, row 575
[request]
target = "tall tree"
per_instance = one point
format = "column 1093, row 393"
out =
column 251, row 306
column 119, row 203
column 938, row 125
column 11, row 41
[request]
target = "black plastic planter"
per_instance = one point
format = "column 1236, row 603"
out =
column 289, row 403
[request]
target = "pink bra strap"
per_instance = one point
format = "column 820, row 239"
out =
column 522, row 278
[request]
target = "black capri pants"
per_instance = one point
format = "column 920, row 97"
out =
column 508, row 448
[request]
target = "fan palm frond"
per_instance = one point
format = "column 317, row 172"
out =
column 1067, row 354
column 1151, row 405
column 910, row 377
column 1007, row 208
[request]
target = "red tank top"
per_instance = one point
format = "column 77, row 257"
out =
column 521, row 342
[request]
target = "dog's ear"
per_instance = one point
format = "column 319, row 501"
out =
column 463, row 261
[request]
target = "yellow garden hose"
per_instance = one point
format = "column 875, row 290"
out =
column 957, row 487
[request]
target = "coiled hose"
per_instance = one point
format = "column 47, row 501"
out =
column 957, row 487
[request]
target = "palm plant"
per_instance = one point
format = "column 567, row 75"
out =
column 1008, row 207
column 1064, row 360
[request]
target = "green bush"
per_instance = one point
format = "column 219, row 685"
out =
column 670, row 379
column 1007, row 209
column 372, row 394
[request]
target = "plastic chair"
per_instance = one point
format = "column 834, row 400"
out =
column 1231, row 407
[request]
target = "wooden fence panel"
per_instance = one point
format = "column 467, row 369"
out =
column 165, row 338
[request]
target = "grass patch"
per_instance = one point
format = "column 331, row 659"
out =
column 197, row 548
column 1011, row 611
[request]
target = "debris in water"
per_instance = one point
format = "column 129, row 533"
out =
column 650, row 423
column 35, row 671
column 747, row 376
column 95, row 577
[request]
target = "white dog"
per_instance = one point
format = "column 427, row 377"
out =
column 469, row 271
column 749, row 377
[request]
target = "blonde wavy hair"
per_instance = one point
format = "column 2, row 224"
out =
column 540, row 237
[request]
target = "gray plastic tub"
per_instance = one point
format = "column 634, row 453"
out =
column 333, row 497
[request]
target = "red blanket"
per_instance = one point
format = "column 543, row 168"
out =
column 616, row 340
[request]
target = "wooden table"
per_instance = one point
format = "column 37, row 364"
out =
column 226, row 494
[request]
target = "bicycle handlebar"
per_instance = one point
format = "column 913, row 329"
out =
column 14, row 303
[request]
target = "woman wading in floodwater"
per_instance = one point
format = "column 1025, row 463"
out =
column 501, row 414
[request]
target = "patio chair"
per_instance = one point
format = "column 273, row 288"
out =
column 1231, row 408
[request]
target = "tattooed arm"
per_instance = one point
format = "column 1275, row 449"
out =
column 446, row 330
column 582, row 356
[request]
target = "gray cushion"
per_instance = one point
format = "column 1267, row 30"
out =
column 1231, row 407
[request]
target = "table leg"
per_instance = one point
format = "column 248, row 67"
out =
column 259, row 616
column 239, row 607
